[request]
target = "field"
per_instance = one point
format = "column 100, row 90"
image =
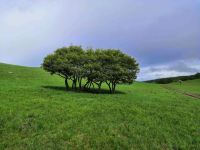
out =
column 37, row 113
column 192, row 86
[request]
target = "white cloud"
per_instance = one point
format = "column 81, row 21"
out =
column 174, row 69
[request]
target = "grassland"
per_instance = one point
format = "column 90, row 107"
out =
column 37, row 113
column 191, row 86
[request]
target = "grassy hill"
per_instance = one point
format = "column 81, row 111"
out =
column 175, row 79
column 37, row 113
column 192, row 86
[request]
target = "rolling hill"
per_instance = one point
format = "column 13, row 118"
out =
column 37, row 113
column 192, row 86
column 175, row 79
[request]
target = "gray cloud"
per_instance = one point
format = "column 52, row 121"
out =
column 182, row 67
column 156, row 33
column 177, row 68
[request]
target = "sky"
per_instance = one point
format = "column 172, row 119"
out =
column 163, row 36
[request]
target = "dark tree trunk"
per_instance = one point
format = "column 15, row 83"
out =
column 80, row 83
column 109, row 87
column 75, row 82
column 99, row 87
column 113, row 87
column 90, row 85
column 66, row 84
column 85, row 86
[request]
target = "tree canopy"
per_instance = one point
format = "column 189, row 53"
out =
column 92, row 67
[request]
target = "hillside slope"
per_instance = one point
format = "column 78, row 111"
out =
column 37, row 113
column 175, row 79
column 192, row 86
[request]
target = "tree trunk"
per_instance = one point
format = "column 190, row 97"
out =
column 90, row 85
column 113, row 89
column 85, row 86
column 66, row 84
column 109, row 87
column 99, row 87
column 75, row 86
column 74, row 83
column 80, row 83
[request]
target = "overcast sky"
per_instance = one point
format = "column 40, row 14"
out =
column 163, row 35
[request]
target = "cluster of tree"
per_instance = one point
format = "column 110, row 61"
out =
column 91, row 67
column 175, row 79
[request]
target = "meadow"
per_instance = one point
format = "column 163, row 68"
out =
column 37, row 113
column 192, row 86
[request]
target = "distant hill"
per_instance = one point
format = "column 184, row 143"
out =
column 174, row 79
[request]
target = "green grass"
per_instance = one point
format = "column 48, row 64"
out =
column 192, row 86
column 142, row 116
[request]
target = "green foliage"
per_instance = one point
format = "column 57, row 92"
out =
column 95, row 66
column 37, row 113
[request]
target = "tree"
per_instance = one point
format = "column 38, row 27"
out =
column 118, row 68
column 93, row 66
column 66, row 62
column 96, row 67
